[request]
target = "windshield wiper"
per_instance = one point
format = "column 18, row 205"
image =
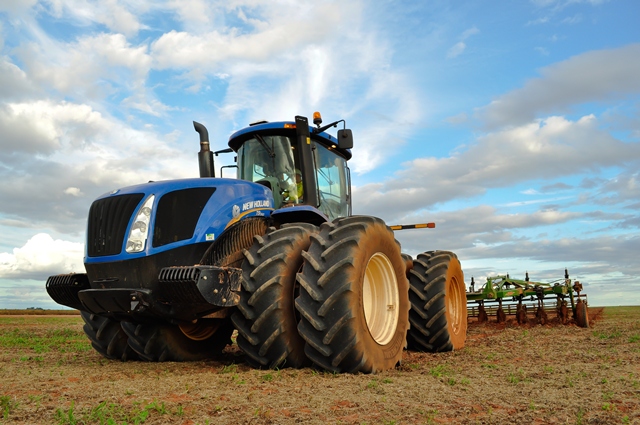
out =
column 265, row 146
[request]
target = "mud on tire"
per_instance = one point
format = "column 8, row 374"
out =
column 438, row 313
column 353, row 298
column 266, row 318
column 107, row 337
column 164, row 343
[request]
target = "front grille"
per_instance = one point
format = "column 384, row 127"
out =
column 178, row 214
column 108, row 221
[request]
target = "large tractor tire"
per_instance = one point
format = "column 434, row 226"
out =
column 266, row 317
column 164, row 343
column 107, row 337
column 353, row 298
column 438, row 313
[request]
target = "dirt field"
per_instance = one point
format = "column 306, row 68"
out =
column 506, row 374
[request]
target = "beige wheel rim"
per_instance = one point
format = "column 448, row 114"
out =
column 199, row 331
column 380, row 298
column 454, row 305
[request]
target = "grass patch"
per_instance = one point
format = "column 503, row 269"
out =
column 7, row 405
column 61, row 340
column 439, row 371
column 113, row 413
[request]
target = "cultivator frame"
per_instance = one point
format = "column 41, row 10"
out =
column 515, row 291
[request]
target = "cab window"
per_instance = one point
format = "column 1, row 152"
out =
column 269, row 160
column 332, row 178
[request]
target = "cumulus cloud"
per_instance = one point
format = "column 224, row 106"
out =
column 183, row 50
column 41, row 257
column 610, row 252
column 15, row 83
column 42, row 126
column 483, row 225
column 92, row 66
column 16, row 7
column 317, row 57
column 116, row 15
column 546, row 149
column 57, row 157
column 595, row 76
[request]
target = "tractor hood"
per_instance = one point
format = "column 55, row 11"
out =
column 154, row 217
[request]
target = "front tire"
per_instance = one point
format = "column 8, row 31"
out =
column 107, row 337
column 353, row 298
column 166, row 343
column 266, row 317
column 438, row 313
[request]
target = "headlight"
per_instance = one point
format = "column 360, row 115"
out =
column 140, row 228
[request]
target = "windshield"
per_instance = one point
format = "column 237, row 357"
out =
column 332, row 176
column 269, row 160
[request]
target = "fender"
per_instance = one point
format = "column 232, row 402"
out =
column 299, row 214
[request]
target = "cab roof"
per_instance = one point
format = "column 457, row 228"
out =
column 287, row 128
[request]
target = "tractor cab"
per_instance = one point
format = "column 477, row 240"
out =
column 301, row 165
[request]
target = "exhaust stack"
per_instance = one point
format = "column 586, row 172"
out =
column 205, row 156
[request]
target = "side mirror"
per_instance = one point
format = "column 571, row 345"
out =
column 345, row 139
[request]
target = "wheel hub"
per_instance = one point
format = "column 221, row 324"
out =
column 200, row 330
column 380, row 298
column 454, row 309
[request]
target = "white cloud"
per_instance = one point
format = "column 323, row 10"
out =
column 92, row 67
column 41, row 257
column 542, row 50
column 543, row 149
column 596, row 76
column 42, row 126
column 52, row 150
column 194, row 12
column 73, row 191
column 572, row 19
column 457, row 119
column 16, row 7
column 561, row 4
column 459, row 48
column 456, row 50
column 280, row 36
column 535, row 201
column 114, row 14
column 15, row 83
column 539, row 21
column 297, row 60
column 117, row 18
column 469, row 32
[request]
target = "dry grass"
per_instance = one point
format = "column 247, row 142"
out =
column 505, row 374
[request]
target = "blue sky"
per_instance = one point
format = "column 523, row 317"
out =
column 513, row 125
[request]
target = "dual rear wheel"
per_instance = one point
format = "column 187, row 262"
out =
column 345, row 286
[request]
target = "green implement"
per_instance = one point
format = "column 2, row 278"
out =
column 514, row 291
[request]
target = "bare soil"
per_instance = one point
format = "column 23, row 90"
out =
column 507, row 373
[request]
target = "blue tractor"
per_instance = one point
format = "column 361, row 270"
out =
column 174, row 267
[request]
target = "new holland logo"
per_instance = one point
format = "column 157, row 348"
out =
column 235, row 211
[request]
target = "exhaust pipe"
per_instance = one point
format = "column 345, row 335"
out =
column 205, row 156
